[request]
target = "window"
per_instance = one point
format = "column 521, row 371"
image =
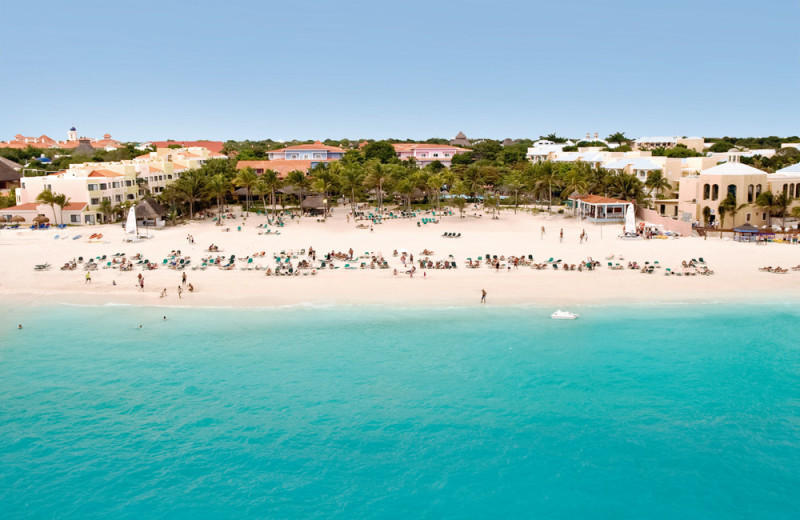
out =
column 116, row 184
column 785, row 189
column 758, row 190
column 447, row 155
column 732, row 190
column 75, row 219
column 170, row 176
column 117, row 198
column 748, row 217
column 706, row 191
column 423, row 155
column 129, row 183
column 715, row 192
column 436, row 155
column 95, row 201
column 763, row 216
column 797, row 190
column 750, row 192
column 130, row 196
column 93, row 187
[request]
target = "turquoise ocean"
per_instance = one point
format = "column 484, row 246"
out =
column 663, row 411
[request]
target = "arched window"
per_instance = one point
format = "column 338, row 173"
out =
column 750, row 192
column 715, row 192
column 797, row 190
column 731, row 189
column 786, row 189
column 706, row 191
column 791, row 190
column 758, row 190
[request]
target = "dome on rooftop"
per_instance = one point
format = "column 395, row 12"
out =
column 73, row 129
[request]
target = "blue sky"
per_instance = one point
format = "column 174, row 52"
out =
column 415, row 69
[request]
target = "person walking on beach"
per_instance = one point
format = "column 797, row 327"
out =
column 183, row 279
column 88, row 278
column 561, row 235
column 163, row 293
column 180, row 290
column 483, row 295
column 542, row 234
column 141, row 283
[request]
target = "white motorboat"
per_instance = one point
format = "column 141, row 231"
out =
column 563, row 315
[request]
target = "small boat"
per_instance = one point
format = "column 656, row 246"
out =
column 563, row 315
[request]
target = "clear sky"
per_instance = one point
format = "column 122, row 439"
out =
column 302, row 69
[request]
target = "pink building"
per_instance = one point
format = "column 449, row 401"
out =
column 424, row 154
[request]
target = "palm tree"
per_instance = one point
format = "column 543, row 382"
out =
column 728, row 207
column 62, row 201
column 514, row 183
column 191, row 188
column 782, row 203
column 106, row 208
column 351, row 179
column 767, row 202
column 575, row 181
column 378, row 175
column 261, row 189
column 272, row 180
column 47, row 197
column 627, row 187
column 457, row 196
column 246, row 178
column 657, row 182
column 435, row 184
column 217, row 187
column 546, row 177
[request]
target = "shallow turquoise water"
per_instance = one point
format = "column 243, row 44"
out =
column 370, row 412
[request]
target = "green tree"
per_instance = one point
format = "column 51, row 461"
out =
column 273, row 181
column 458, row 194
column 217, row 187
column 351, row 179
column 383, row 151
column 106, row 209
column 246, row 178
column 767, row 202
column 62, row 201
column 191, row 188
column 627, row 187
column 48, row 197
column 514, row 183
column 782, row 203
column 618, row 137
column 657, row 182
column 378, row 176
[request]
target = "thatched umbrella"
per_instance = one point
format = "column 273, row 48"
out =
column 41, row 219
column 17, row 218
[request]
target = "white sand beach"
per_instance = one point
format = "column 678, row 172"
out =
column 735, row 265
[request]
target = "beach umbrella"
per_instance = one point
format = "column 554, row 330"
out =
column 17, row 218
column 41, row 219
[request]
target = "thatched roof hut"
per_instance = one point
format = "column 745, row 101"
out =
column 149, row 209
column 313, row 202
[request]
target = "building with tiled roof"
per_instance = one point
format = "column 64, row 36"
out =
column 283, row 167
column 307, row 152
column 73, row 141
column 424, row 153
column 10, row 173
column 212, row 146
column 117, row 182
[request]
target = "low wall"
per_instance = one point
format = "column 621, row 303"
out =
column 678, row 226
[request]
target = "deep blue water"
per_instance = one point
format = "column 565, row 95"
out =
column 375, row 412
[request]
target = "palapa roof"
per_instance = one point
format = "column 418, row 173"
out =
column 313, row 202
column 9, row 170
column 150, row 209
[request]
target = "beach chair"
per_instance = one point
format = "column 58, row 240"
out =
column 700, row 259
column 550, row 261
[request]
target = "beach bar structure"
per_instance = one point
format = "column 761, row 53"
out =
column 745, row 233
column 596, row 208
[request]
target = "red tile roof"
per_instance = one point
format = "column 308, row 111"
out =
column 407, row 147
column 598, row 199
column 211, row 146
column 283, row 167
column 104, row 173
column 316, row 146
column 33, row 206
